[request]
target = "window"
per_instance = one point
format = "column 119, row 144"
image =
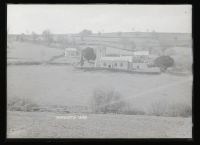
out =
column 121, row 64
column 116, row 64
column 104, row 64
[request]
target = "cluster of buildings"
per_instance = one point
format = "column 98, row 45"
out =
column 137, row 60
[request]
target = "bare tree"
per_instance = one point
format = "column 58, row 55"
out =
column 21, row 37
column 48, row 38
column 34, row 36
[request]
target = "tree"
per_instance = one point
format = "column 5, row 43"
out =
column 85, row 33
column 89, row 54
column 63, row 41
column 34, row 36
column 22, row 37
column 164, row 62
column 48, row 38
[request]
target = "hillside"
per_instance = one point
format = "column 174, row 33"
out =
column 26, row 52
column 141, row 40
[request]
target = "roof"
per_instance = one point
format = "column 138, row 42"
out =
column 70, row 49
column 118, row 58
column 141, row 53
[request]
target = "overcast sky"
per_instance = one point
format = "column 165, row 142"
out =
column 98, row 18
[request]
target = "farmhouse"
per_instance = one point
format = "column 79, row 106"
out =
column 140, row 60
column 72, row 52
column 121, row 62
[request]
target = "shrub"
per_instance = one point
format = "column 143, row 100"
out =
column 170, row 110
column 157, row 109
column 133, row 111
column 20, row 104
column 107, row 100
column 180, row 109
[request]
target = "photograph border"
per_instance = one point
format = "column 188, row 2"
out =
column 195, row 69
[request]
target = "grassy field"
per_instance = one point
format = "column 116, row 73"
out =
column 46, row 125
column 64, row 85
column 29, row 52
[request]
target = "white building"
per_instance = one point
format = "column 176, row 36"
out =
column 72, row 52
column 141, row 53
column 137, row 60
column 116, row 62
column 140, row 60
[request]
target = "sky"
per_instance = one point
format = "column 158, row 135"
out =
column 60, row 19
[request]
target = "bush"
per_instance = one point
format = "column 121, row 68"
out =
column 183, row 110
column 133, row 112
column 20, row 104
column 107, row 100
column 171, row 110
column 164, row 62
